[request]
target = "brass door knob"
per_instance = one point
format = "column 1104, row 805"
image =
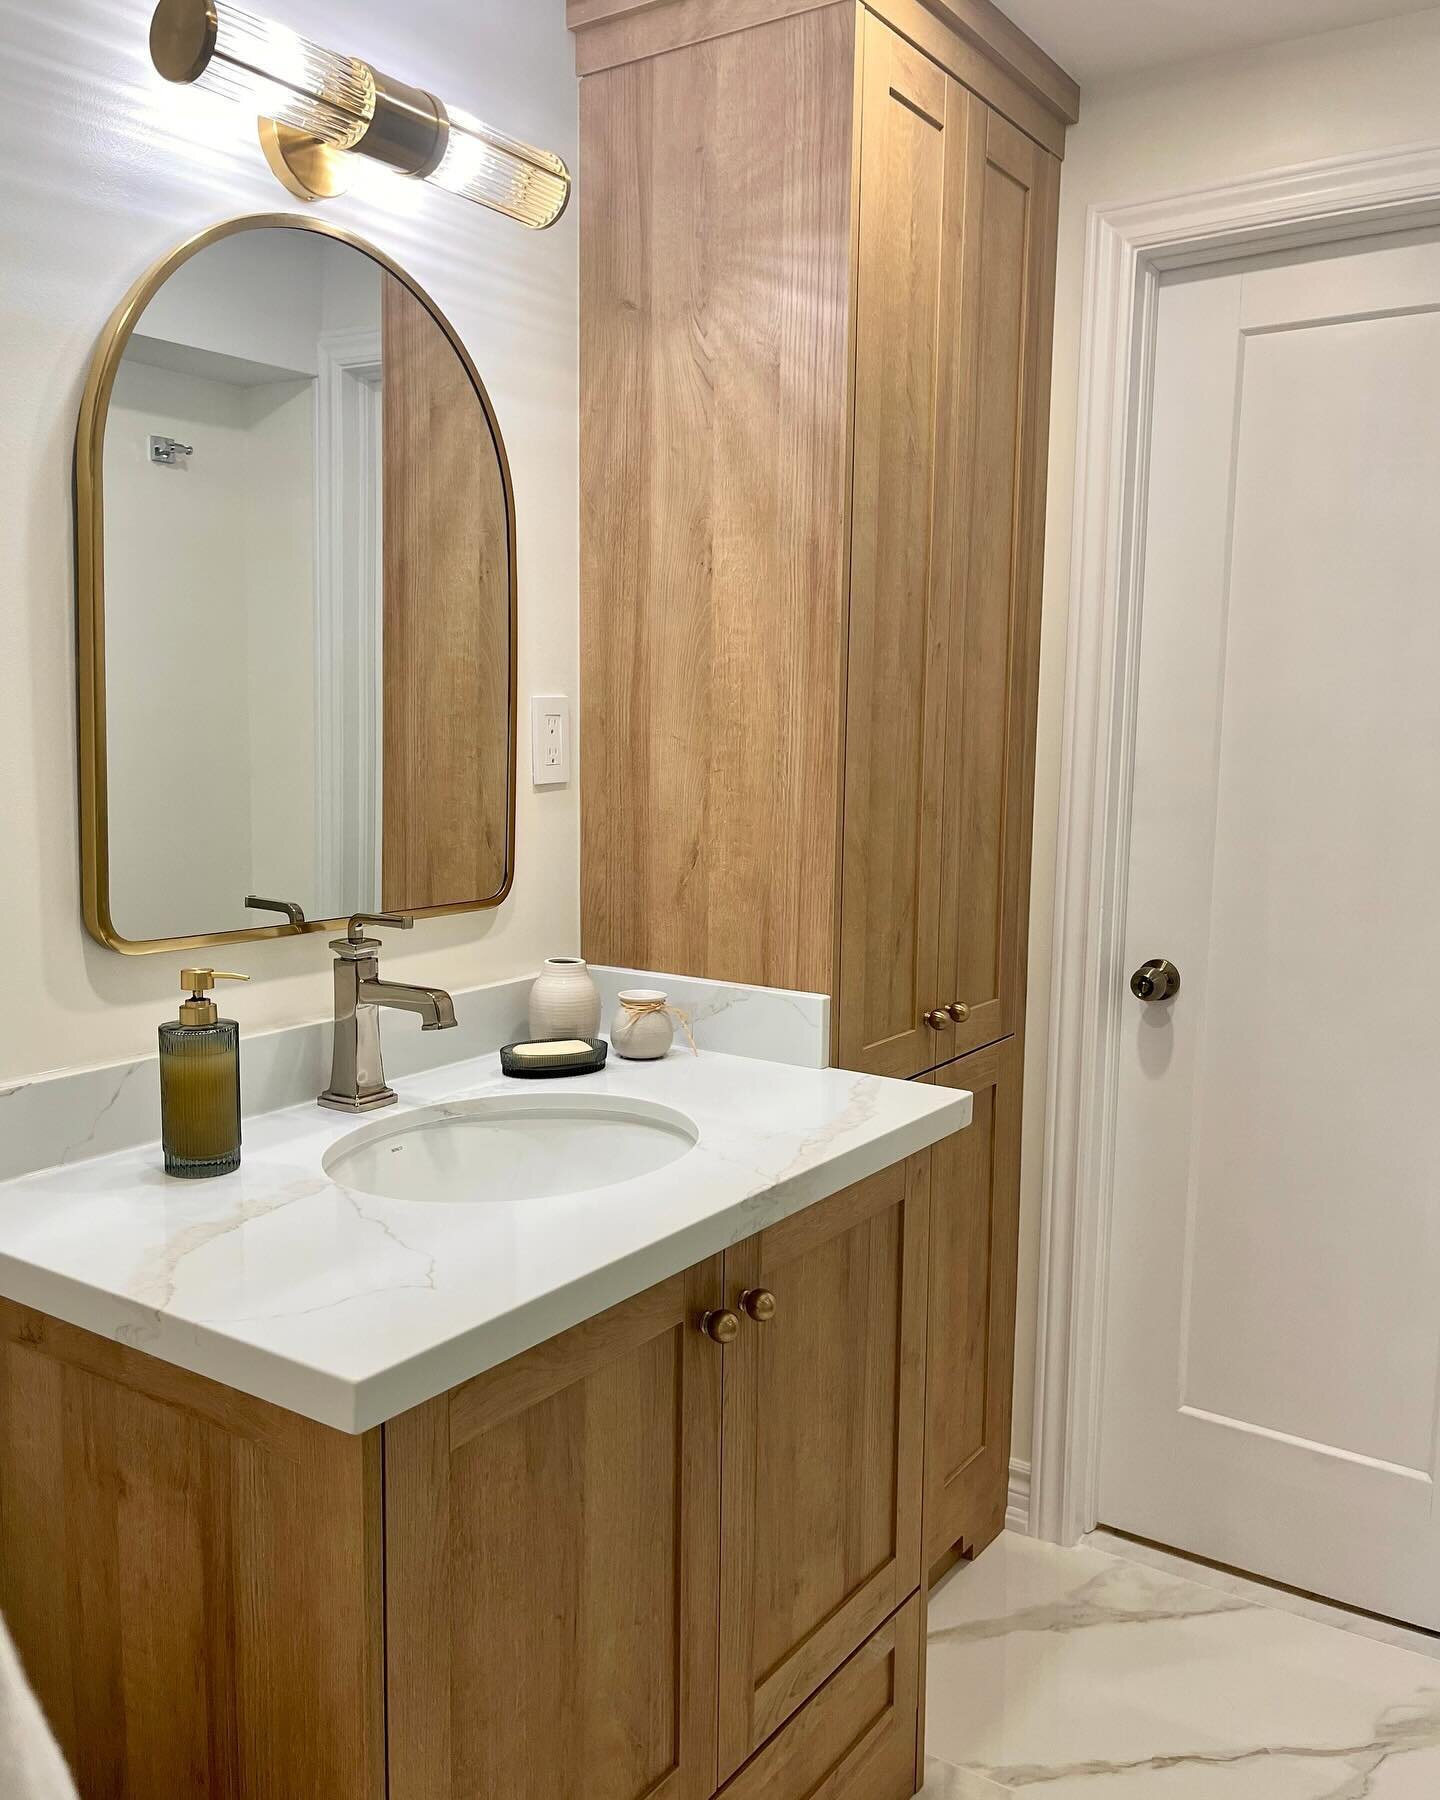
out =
column 939, row 1019
column 760, row 1304
column 958, row 1011
column 1157, row 979
column 723, row 1326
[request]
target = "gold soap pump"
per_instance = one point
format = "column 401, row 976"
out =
column 200, row 1082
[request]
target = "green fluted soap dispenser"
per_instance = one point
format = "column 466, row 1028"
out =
column 200, row 1082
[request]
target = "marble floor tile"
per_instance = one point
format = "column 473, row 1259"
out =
column 1078, row 1675
column 1384, row 1631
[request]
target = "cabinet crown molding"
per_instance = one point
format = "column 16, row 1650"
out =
column 610, row 32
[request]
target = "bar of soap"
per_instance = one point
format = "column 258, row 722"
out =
column 558, row 1056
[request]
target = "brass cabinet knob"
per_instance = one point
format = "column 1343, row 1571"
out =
column 760, row 1304
column 722, row 1326
column 939, row 1019
column 958, row 1011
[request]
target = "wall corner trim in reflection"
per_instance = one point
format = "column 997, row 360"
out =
column 318, row 107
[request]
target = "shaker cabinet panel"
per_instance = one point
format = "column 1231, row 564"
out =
column 823, row 1435
column 856, row 1740
column 998, row 409
column 895, row 722
column 191, row 1576
column 951, row 397
column 551, row 1566
column 974, row 1239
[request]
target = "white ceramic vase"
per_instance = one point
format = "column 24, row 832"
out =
column 564, row 1002
column 641, row 1031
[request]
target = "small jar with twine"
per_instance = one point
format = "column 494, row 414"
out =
column 643, row 1029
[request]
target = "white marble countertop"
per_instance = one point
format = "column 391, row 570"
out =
column 350, row 1309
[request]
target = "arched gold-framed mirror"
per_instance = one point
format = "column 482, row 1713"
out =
column 296, row 591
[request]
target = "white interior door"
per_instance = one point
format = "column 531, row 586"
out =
column 1273, row 1317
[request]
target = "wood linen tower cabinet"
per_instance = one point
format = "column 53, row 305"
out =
column 817, row 273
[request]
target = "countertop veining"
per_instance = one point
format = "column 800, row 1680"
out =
column 351, row 1309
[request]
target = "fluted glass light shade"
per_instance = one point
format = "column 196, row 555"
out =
column 285, row 77
column 314, row 103
column 483, row 164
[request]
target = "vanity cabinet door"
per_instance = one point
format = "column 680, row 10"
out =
column 998, row 408
column 823, row 1410
column 974, row 1243
column 895, row 702
column 551, row 1576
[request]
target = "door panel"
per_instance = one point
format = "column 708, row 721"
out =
column 824, row 1422
column 551, row 1573
column 1272, row 1365
column 974, row 1247
column 998, row 403
column 890, row 873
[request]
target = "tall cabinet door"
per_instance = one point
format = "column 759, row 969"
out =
column 974, row 1240
column 895, row 719
column 551, row 1578
column 998, row 409
column 824, row 1427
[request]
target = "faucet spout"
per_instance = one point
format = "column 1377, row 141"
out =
column 357, row 1069
column 434, row 1005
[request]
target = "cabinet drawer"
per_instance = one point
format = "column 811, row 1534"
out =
column 856, row 1739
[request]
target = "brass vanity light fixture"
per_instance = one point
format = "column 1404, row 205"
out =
column 317, row 108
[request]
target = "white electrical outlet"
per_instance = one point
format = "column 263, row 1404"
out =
column 549, row 740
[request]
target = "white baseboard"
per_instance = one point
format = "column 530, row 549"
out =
column 1017, row 1506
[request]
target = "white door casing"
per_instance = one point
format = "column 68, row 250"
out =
column 1129, row 249
column 349, row 620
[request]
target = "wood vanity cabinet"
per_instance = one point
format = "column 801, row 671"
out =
column 673, row 1551
column 552, row 1564
column 620, row 1564
column 817, row 272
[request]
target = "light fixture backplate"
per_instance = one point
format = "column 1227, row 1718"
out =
column 304, row 165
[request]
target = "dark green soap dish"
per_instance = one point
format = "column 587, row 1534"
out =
column 541, row 1061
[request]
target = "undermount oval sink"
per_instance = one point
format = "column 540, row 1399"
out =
column 510, row 1147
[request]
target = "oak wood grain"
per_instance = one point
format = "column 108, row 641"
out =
column 999, row 408
column 972, row 38
column 447, row 662
column 551, row 1562
column 193, row 1579
column 974, row 1248
column 897, row 663
column 988, row 77
column 823, row 1432
column 715, row 269
column 855, row 1740
column 936, row 376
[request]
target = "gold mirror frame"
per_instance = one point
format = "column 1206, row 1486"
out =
column 90, row 594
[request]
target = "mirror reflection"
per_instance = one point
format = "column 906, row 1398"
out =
column 307, row 605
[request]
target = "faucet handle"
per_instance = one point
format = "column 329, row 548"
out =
column 358, row 921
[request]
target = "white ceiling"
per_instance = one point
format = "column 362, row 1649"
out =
column 1092, row 38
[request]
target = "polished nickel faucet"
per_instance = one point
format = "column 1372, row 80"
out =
column 357, row 1073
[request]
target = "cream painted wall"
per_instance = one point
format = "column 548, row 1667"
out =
column 1194, row 125
column 106, row 169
